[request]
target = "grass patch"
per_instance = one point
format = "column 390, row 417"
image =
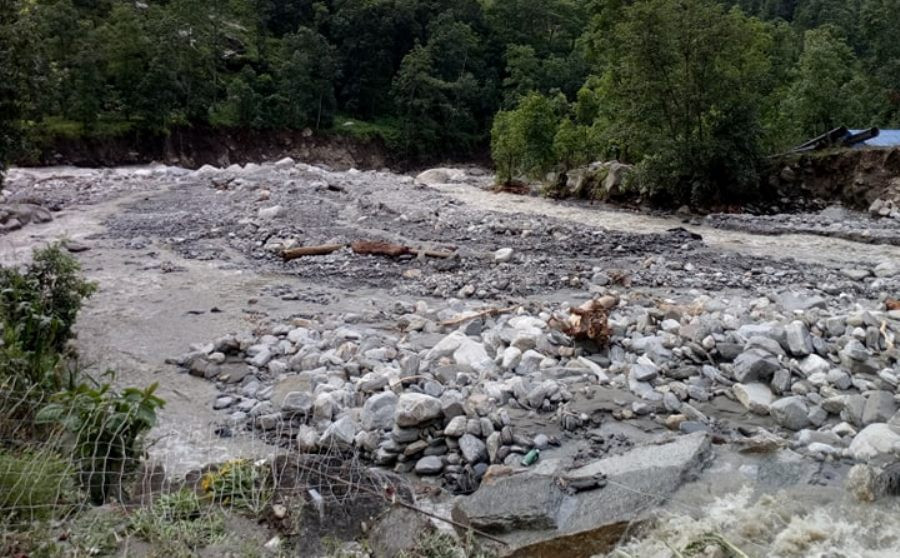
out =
column 239, row 484
column 178, row 525
column 441, row 545
column 56, row 127
column 384, row 129
column 34, row 486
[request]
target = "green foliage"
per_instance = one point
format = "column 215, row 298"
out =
column 178, row 524
column 11, row 85
column 38, row 308
column 829, row 88
column 522, row 140
column 34, row 486
column 688, row 84
column 42, row 303
column 107, row 429
column 239, row 484
column 648, row 78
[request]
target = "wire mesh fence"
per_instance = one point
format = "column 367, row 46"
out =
column 59, row 470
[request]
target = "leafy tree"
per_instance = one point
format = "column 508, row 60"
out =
column 10, row 86
column 305, row 72
column 687, row 80
column 522, row 140
column 878, row 20
column 829, row 88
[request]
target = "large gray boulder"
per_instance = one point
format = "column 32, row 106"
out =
column 755, row 365
column 537, row 516
column 414, row 409
column 378, row 411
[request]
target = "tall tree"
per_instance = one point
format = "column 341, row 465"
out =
column 687, row 80
column 829, row 88
column 10, row 85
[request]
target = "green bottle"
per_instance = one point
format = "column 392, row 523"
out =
column 531, row 457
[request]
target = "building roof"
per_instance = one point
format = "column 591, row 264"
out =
column 885, row 138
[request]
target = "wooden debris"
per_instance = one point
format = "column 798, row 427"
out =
column 367, row 247
column 589, row 321
column 475, row 315
column 363, row 247
column 892, row 304
column 321, row 250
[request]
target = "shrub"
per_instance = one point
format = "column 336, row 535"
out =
column 241, row 484
column 42, row 303
column 107, row 430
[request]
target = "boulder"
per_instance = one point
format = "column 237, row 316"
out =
column 799, row 342
column 755, row 365
column 756, row 398
column 880, row 407
column 378, row 411
column 876, row 442
column 429, row 465
column 339, row 433
column 473, row 449
column 440, row 176
column 398, row 533
column 414, row 409
column 456, row 427
column 791, row 412
column 533, row 513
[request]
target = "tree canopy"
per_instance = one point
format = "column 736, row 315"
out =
column 693, row 90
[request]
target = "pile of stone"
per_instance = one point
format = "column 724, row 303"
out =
column 427, row 402
column 445, row 402
column 884, row 208
column 14, row 216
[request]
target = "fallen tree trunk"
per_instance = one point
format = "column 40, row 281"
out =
column 363, row 247
column 321, row 250
column 367, row 247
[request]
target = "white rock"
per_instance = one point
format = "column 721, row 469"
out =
column 446, row 346
column 755, row 397
column 415, row 408
column 875, row 440
column 503, row 255
column 814, row 364
column 473, row 354
column 511, row 358
column 271, row 212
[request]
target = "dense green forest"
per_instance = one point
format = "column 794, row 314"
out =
column 695, row 91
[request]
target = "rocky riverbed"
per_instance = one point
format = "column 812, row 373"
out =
column 757, row 353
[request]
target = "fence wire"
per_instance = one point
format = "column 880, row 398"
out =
column 50, row 473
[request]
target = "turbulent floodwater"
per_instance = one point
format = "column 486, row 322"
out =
column 779, row 526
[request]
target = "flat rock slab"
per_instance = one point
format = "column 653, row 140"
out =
column 532, row 513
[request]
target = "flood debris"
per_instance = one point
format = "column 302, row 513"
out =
column 364, row 247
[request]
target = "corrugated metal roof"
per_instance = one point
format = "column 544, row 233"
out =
column 885, row 138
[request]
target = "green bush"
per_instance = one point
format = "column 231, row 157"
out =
column 240, row 484
column 34, row 486
column 107, row 429
column 43, row 302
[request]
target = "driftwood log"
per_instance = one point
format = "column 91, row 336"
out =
column 294, row 253
column 363, row 247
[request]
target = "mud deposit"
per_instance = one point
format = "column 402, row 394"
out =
column 757, row 354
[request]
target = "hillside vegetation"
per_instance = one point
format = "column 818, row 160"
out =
column 692, row 91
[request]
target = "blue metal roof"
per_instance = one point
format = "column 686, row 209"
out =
column 885, row 138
